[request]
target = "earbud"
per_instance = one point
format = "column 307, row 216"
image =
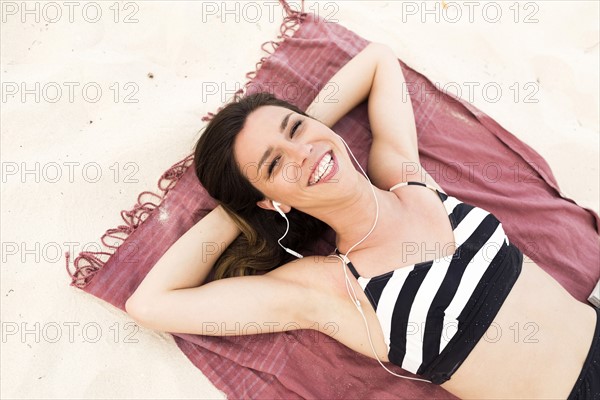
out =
column 292, row 252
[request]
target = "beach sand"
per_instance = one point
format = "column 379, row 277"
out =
column 59, row 342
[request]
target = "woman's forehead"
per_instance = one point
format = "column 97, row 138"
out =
column 266, row 117
column 260, row 128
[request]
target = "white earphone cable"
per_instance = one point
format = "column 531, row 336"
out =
column 287, row 223
column 287, row 227
column 349, row 286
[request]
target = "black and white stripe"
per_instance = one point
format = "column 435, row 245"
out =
column 418, row 306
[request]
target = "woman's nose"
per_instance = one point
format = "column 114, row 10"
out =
column 300, row 152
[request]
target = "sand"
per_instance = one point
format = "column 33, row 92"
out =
column 59, row 342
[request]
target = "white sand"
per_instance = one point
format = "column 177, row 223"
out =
column 172, row 41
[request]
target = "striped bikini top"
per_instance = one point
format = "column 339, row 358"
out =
column 434, row 312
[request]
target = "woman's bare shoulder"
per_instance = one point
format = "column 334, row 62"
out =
column 313, row 271
column 317, row 278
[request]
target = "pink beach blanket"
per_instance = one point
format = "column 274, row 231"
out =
column 468, row 153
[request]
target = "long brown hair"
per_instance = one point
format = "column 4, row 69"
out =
column 255, row 249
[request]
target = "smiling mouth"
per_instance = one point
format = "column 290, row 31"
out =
column 324, row 169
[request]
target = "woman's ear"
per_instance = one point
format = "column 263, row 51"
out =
column 267, row 204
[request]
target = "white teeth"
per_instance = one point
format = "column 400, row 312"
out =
column 328, row 169
column 323, row 169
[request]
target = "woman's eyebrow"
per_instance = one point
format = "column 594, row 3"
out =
column 264, row 157
column 268, row 152
column 284, row 122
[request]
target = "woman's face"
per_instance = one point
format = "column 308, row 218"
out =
column 286, row 156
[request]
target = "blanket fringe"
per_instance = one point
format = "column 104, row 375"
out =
column 84, row 272
column 287, row 28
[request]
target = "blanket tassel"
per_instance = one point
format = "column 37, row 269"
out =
column 84, row 273
column 88, row 262
column 289, row 25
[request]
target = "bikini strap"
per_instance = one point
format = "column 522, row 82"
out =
column 348, row 263
column 441, row 194
column 401, row 184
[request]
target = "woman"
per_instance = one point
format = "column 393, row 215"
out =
column 263, row 158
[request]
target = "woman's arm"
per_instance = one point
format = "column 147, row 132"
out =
column 346, row 89
column 375, row 74
column 189, row 260
column 170, row 297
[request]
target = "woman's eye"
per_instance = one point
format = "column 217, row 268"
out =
column 292, row 133
column 294, row 128
column 273, row 164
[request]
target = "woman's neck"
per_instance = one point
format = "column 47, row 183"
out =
column 354, row 216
